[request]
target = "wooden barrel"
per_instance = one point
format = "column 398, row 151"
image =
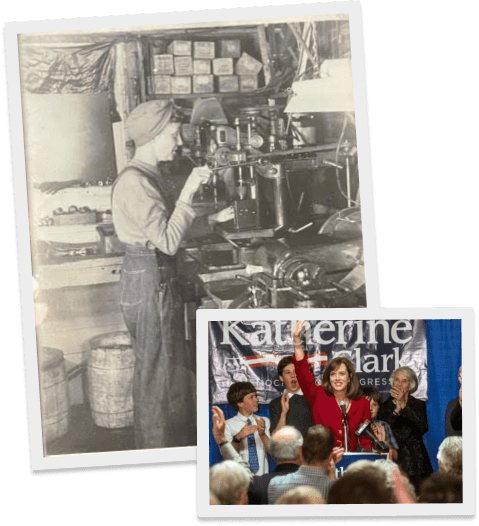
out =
column 53, row 393
column 111, row 367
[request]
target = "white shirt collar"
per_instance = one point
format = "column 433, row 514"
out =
column 298, row 393
column 245, row 418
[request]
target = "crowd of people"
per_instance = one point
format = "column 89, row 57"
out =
column 312, row 426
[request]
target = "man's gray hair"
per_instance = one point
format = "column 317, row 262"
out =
column 409, row 374
column 450, row 456
column 285, row 443
column 228, row 480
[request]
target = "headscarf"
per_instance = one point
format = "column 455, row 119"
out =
column 147, row 120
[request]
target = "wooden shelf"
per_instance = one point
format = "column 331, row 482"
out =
column 190, row 96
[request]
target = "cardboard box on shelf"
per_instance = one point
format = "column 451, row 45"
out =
column 248, row 83
column 159, row 84
column 181, row 85
column 204, row 49
column 201, row 66
column 230, row 48
column 247, row 65
column 183, row 66
column 228, row 84
column 223, row 66
column 162, row 64
column 179, row 47
column 203, row 84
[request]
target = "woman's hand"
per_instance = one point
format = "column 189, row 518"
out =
column 222, row 216
column 198, row 176
column 400, row 397
column 298, row 348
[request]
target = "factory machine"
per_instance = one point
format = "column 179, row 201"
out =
column 282, row 249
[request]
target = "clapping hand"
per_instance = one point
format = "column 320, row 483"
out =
column 379, row 432
column 285, row 402
column 261, row 425
column 399, row 396
column 219, row 424
column 246, row 431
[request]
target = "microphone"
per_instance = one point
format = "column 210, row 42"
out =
column 342, row 405
column 363, row 429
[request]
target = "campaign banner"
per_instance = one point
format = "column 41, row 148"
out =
column 249, row 351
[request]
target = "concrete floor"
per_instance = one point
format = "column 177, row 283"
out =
column 84, row 436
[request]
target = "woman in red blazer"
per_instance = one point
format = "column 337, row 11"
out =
column 339, row 383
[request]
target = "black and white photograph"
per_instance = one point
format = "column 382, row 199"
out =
column 357, row 415
column 180, row 167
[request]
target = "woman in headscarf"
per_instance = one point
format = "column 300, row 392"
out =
column 152, row 226
column 407, row 417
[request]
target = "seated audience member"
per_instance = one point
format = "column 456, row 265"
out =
column 381, row 430
column 363, row 485
column 318, row 458
column 391, row 469
column 301, row 495
column 248, row 433
column 229, row 482
column 453, row 420
column 441, row 488
column 407, row 417
column 291, row 408
column 284, row 447
column 449, row 456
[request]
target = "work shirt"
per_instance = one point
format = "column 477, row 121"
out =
column 235, row 425
column 143, row 211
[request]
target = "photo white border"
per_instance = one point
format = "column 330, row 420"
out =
column 12, row 30
column 333, row 510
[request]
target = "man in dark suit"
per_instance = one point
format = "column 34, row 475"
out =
column 291, row 408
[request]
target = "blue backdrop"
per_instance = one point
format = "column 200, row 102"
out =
column 444, row 359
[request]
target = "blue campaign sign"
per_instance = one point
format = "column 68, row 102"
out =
column 349, row 458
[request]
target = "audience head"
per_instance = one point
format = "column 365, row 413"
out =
column 301, row 495
column 410, row 376
column 449, row 456
column 353, row 388
column 229, row 482
column 363, row 485
column 389, row 468
column 238, row 391
column 318, row 443
column 285, row 443
column 440, row 488
column 375, row 399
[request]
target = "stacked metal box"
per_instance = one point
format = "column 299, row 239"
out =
column 202, row 67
